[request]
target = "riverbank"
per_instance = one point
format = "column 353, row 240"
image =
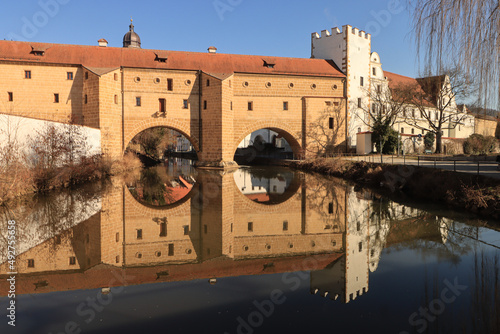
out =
column 477, row 194
column 19, row 181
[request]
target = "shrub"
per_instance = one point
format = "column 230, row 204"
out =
column 429, row 140
column 479, row 144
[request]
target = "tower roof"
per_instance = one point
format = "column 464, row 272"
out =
column 131, row 38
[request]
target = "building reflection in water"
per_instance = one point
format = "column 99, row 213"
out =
column 248, row 222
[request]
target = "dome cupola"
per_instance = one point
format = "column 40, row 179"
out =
column 131, row 39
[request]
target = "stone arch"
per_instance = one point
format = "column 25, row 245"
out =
column 181, row 127
column 291, row 136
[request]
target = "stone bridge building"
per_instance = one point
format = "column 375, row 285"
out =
column 213, row 99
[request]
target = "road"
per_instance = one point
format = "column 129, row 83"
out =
column 486, row 168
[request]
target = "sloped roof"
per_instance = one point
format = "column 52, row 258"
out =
column 421, row 86
column 112, row 57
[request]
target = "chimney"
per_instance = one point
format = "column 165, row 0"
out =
column 102, row 42
column 212, row 49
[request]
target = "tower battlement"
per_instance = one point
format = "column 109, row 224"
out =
column 345, row 29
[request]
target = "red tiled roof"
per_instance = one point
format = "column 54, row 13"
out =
column 112, row 57
column 396, row 81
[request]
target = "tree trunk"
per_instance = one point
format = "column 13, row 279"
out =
column 438, row 141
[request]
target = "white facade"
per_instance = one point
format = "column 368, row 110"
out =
column 251, row 185
column 350, row 49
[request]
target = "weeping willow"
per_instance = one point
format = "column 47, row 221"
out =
column 461, row 33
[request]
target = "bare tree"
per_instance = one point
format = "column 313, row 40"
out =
column 385, row 106
column 467, row 32
column 435, row 100
column 324, row 136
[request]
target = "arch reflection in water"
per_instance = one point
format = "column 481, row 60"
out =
column 163, row 184
column 267, row 186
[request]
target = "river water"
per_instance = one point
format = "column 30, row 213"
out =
column 174, row 249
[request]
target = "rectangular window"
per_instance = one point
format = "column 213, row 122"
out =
column 138, row 101
column 161, row 105
column 72, row 260
column 379, row 89
column 359, row 102
column 229, row 83
column 330, row 123
column 285, row 225
column 250, row 227
column 116, row 99
column 374, row 71
column 86, row 99
column 117, row 236
column 402, row 130
column 250, row 105
column 205, row 105
column 186, row 229
column 117, row 259
column 11, row 96
column 328, row 103
column 139, row 234
column 231, row 105
column 360, row 246
column 86, row 75
column 170, row 84
column 205, row 228
column 116, row 76
column 412, row 131
column 185, row 104
column 27, row 74
column 163, row 229
column 31, row 263
column 170, row 249
column 69, row 75
column 285, row 105
column 361, row 81
column 208, row 82
column 330, row 208
column 56, row 98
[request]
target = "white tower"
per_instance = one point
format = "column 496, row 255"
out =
column 350, row 49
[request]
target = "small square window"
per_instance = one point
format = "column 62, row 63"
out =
column 138, row 101
column 285, row 105
column 163, row 229
column 162, row 105
column 185, row 104
column 285, row 225
column 31, row 263
column 11, row 96
column 27, row 74
column 72, row 260
column 69, row 75
column 139, row 234
column 170, row 84
column 56, row 98
column 250, row 227
column 250, row 106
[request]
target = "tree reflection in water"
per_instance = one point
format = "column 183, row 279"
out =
column 156, row 186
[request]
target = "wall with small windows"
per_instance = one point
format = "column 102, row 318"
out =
column 33, row 95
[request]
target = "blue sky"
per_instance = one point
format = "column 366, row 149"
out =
column 274, row 28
